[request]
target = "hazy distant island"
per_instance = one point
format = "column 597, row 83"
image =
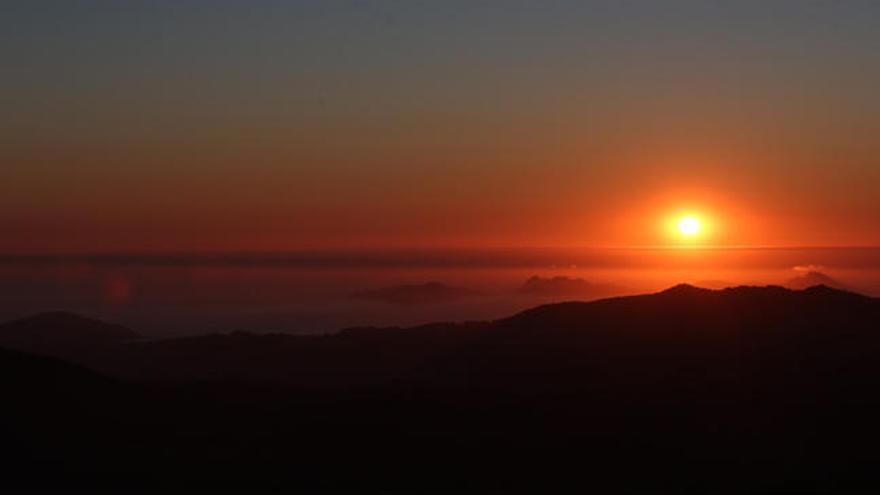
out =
column 427, row 293
column 567, row 286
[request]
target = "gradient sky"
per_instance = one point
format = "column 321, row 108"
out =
column 269, row 125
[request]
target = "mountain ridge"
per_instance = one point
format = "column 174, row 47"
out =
column 683, row 321
column 746, row 390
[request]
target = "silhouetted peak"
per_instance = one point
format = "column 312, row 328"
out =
column 685, row 289
column 57, row 327
column 778, row 292
column 824, row 290
column 818, row 276
column 813, row 278
column 713, row 284
column 35, row 375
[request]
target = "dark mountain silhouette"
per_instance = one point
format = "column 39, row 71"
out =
column 427, row 293
column 56, row 332
column 717, row 284
column 812, row 278
column 51, row 412
column 563, row 339
column 747, row 389
column 566, row 286
column 22, row 373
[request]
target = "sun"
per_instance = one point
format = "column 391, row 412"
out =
column 689, row 226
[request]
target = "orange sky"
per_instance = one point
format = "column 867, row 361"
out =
column 434, row 128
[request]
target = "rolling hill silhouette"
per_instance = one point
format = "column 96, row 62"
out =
column 812, row 278
column 758, row 389
column 58, row 328
column 655, row 330
column 64, row 335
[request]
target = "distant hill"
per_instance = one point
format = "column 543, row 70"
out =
column 811, row 278
column 566, row 286
column 427, row 293
column 28, row 374
column 714, row 284
column 62, row 332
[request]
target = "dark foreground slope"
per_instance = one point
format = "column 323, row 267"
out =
column 741, row 390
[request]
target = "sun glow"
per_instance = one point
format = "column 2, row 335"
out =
column 689, row 226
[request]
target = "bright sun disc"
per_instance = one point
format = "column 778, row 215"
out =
column 689, row 226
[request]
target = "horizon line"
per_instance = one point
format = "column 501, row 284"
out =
column 339, row 250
